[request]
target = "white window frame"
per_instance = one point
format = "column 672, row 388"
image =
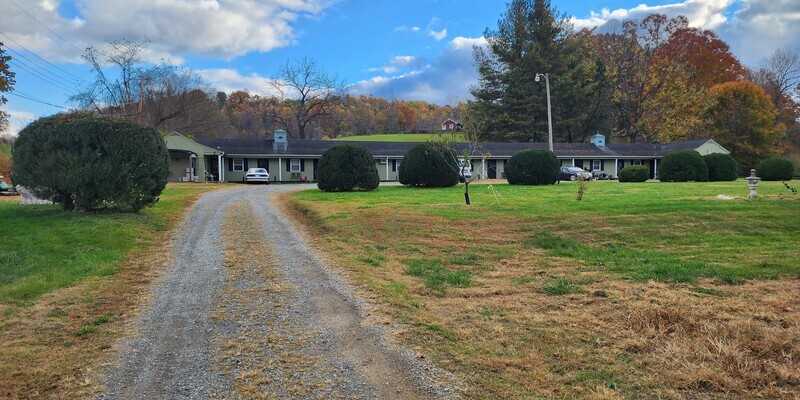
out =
column 294, row 165
column 238, row 164
column 596, row 165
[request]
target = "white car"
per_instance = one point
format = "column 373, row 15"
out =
column 256, row 175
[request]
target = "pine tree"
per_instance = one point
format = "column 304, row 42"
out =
column 533, row 37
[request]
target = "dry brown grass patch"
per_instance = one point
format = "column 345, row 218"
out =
column 59, row 347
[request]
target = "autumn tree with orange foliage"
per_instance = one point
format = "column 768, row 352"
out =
column 6, row 84
column 740, row 116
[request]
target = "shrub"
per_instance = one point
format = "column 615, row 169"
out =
column 532, row 167
column 84, row 162
column 683, row 166
column 429, row 165
column 721, row 167
column 634, row 173
column 346, row 167
column 775, row 169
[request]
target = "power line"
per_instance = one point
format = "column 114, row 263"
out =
column 45, row 27
column 24, row 96
column 39, row 57
column 25, row 67
column 35, row 64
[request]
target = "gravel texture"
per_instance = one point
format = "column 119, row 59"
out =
column 307, row 339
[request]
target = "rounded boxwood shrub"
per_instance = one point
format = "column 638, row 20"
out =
column 346, row 167
column 775, row 169
column 634, row 173
column 429, row 165
column 721, row 167
column 683, row 166
column 532, row 167
column 85, row 162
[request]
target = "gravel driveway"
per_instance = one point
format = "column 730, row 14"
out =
column 175, row 353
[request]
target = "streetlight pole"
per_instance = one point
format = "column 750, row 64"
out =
column 549, row 112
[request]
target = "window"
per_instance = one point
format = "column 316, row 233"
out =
column 295, row 165
column 596, row 165
column 637, row 162
column 238, row 164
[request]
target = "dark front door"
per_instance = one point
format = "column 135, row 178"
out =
column 491, row 166
column 316, row 163
column 212, row 172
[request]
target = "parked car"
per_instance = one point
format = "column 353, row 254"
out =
column 256, row 175
column 572, row 173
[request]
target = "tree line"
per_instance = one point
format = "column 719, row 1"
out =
column 655, row 80
column 651, row 80
column 305, row 100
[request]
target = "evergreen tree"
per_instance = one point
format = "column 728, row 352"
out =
column 532, row 37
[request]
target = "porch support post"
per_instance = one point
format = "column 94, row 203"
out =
column 573, row 162
column 655, row 168
column 483, row 167
column 219, row 167
column 189, row 174
column 387, row 168
column 280, row 169
column 616, row 168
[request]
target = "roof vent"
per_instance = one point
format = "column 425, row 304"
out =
column 598, row 140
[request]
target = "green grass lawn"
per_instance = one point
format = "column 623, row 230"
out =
column 661, row 231
column 43, row 249
column 640, row 290
column 402, row 137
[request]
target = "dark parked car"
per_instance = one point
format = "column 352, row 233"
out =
column 572, row 173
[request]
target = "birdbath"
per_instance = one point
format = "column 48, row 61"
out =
column 752, row 183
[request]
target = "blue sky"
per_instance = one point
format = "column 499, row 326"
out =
column 408, row 49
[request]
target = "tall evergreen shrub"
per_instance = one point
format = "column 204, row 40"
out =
column 85, row 162
column 683, row 166
column 532, row 167
column 346, row 167
column 775, row 169
column 429, row 165
column 634, row 173
column 721, row 167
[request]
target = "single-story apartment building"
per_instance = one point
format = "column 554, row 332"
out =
column 228, row 160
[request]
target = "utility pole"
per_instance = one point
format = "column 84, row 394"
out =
column 549, row 112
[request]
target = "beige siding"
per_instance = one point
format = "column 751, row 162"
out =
column 176, row 141
column 710, row 147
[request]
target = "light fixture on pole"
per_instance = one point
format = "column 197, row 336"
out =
column 549, row 113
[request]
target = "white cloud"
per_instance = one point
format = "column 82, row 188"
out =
column 438, row 35
column 16, row 121
column 450, row 75
column 708, row 14
column 223, row 29
column 230, row 80
column 752, row 28
column 758, row 28
column 407, row 28
column 399, row 62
